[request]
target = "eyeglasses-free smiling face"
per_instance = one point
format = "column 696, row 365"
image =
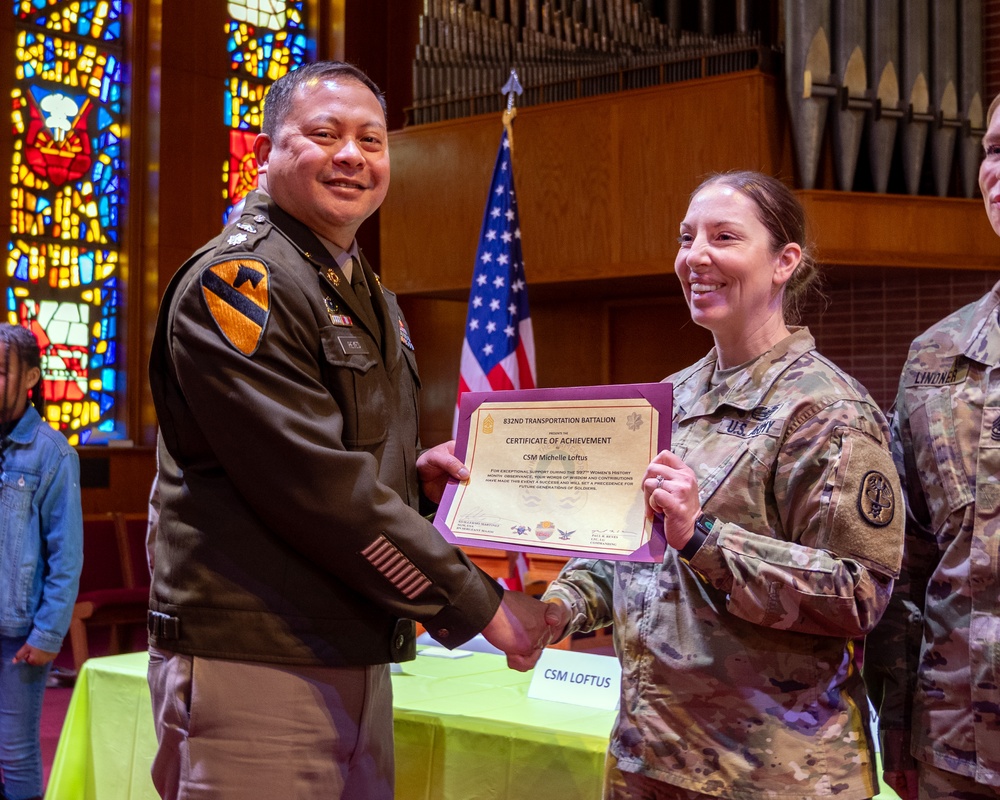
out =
column 328, row 163
column 730, row 274
column 989, row 171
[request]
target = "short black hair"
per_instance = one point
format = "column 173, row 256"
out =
column 278, row 100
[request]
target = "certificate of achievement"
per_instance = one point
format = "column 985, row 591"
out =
column 559, row 471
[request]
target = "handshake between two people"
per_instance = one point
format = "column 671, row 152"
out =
column 523, row 626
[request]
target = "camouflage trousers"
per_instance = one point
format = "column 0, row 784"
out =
column 620, row 785
column 940, row 784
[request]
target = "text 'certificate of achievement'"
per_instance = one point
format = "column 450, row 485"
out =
column 559, row 471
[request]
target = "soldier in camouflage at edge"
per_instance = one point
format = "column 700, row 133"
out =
column 933, row 664
column 739, row 677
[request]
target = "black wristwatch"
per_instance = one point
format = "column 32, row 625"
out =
column 702, row 527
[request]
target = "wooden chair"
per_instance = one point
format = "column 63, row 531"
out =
column 111, row 595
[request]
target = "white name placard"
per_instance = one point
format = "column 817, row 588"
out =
column 583, row 679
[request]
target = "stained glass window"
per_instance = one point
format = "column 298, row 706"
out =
column 68, row 184
column 266, row 39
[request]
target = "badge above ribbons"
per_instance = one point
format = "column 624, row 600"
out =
column 237, row 295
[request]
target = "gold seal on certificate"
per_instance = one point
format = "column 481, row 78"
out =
column 558, row 471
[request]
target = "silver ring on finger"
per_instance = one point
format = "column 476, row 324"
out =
column 659, row 482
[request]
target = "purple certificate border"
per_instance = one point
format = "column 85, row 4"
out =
column 658, row 395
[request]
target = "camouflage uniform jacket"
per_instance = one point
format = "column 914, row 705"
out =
column 738, row 670
column 934, row 661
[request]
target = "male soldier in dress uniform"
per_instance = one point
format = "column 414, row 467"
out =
column 290, row 556
column 933, row 664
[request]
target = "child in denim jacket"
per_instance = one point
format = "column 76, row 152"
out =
column 41, row 553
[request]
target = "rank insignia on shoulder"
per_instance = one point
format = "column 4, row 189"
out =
column 404, row 336
column 237, row 293
column 246, row 226
column 236, row 238
column 876, row 500
column 336, row 317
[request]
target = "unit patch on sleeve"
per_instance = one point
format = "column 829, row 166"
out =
column 237, row 295
column 876, row 500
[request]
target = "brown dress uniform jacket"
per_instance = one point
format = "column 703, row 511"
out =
column 289, row 530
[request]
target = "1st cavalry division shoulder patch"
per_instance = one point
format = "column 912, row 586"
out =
column 237, row 295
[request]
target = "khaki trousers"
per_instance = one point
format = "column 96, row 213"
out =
column 236, row 730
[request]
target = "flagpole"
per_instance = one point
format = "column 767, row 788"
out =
column 498, row 348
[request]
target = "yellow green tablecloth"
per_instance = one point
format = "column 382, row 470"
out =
column 465, row 729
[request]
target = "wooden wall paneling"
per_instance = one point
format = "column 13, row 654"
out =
column 876, row 230
column 571, row 335
column 570, row 189
column 570, row 344
column 429, row 223
column 650, row 339
column 436, row 328
column 671, row 139
column 601, row 182
column 116, row 478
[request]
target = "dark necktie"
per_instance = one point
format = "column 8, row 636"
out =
column 364, row 297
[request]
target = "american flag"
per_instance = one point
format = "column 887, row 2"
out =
column 499, row 347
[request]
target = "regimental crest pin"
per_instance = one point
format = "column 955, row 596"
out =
column 333, row 276
column 237, row 293
column 246, row 226
column 876, row 500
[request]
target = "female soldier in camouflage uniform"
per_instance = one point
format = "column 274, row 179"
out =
column 780, row 509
